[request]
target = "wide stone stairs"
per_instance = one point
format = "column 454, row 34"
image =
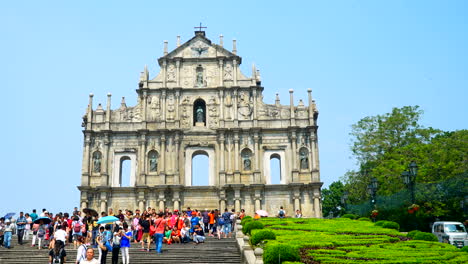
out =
column 213, row 250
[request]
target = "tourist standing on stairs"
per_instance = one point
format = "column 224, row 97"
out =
column 82, row 248
column 116, row 239
column 27, row 230
column 160, row 224
column 227, row 223
column 125, row 243
column 145, row 225
column 20, row 227
column 2, row 228
column 7, row 233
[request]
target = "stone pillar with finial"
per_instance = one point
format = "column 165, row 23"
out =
column 291, row 103
column 178, row 41
column 311, row 107
column 108, row 111
column 221, row 41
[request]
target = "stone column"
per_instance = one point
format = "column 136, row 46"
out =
column 317, row 206
column 178, row 72
column 164, row 71
column 293, row 149
column 108, row 111
column 163, row 107
column 85, row 168
column 234, row 62
column 163, row 155
column 291, row 103
column 221, row 147
column 236, row 157
column 89, row 112
column 177, row 102
column 143, row 108
column 229, row 153
column 221, row 72
column 234, row 99
column 176, row 159
column 221, row 108
column 258, row 203
column 255, row 118
column 311, row 108
column 237, row 199
column 162, row 199
column 103, row 202
column 313, row 150
column 105, row 158
column 142, row 160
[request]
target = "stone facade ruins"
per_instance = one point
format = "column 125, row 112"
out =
column 200, row 103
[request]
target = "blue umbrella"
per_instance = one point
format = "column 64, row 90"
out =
column 9, row 215
column 107, row 220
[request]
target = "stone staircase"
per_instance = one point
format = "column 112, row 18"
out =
column 224, row 251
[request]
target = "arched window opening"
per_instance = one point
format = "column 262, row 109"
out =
column 246, row 155
column 200, row 169
column 304, row 158
column 199, row 113
column 153, row 161
column 97, row 161
column 275, row 169
column 125, row 171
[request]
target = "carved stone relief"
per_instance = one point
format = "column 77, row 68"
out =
column 171, row 73
column 155, row 110
column 185, row 113
column 228, row 72
column 244, row 106
column 170, row 107
column 213, row 113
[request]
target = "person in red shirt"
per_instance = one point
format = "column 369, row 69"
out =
column 175, row 235
column 160, row 224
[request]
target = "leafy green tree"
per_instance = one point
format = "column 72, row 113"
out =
column 332, row 204
column 384, row 145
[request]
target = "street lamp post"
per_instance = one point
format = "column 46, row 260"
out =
column 372, row 189
column 409, row 178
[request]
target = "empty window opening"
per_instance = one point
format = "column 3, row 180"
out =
column 200, row 169
column 125, row 171
column 275, row 169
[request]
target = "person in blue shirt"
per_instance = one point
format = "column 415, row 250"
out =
column 33, row 215
column 20, row 226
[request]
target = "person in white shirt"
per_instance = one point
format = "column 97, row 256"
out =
column 60, row 234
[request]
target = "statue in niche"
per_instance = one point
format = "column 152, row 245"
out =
column 199, row 80
column 304, row 159
column 153, row 162
column 97, row 161
column 247, row 162
column 200, row 114
column 154, row 106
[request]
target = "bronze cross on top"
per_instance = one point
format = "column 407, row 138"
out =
column 199, row 27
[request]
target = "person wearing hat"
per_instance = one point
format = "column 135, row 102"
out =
column 7, row 232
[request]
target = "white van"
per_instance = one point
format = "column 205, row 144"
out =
column 451, row 232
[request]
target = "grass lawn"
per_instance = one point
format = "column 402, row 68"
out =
column 353, row 241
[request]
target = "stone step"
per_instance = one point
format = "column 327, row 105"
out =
column 212, row 251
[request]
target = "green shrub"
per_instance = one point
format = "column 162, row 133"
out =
column 411, row 234
column 260, row 235
column 380, row 223
column 350, row 216
column 465, row 249
column 391, row 225
column 425, row 236
column 251, row 225
column 246, row 219
column 276, row 254
column 364, row 219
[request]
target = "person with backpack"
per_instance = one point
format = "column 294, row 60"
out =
column 160, row 224
column 116, row 241
column 227, row 223
column 76, row 230
column 219, row 225
column 57, row 255
column 81, row 252
column 281, row 213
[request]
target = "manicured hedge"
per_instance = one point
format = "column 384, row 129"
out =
column 465, row 249
column 425, row 236
column 411, row 234
column 364, row 219
column 391, row 225
column 246, row 219
column 260, row 235
column 249, row 226
column 278, row 253
column 350, row 216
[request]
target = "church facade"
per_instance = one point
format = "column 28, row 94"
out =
column 200, row 103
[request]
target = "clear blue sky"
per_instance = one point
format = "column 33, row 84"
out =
column 360, row 58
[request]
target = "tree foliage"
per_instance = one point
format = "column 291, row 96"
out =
column 332, row 204
column 385, row 144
